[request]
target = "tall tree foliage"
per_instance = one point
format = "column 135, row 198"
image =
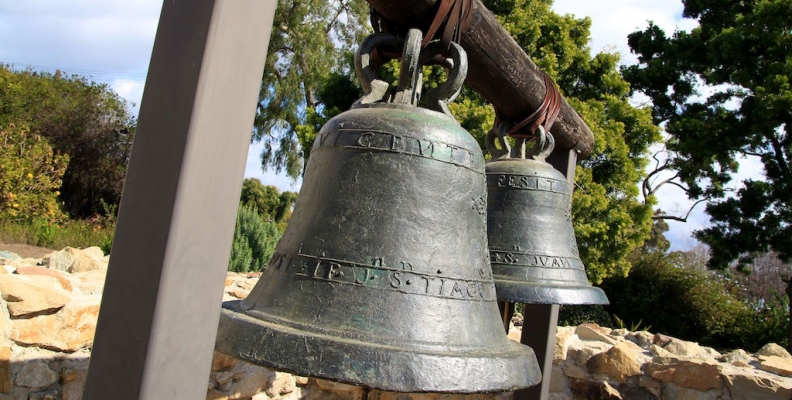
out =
column 309, row 45
column 723, row 92
column 609, row 221
column 84, row 120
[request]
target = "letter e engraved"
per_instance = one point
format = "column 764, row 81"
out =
column 512, row 181
column 365, row 139
column 333, row 271
column 395, row 282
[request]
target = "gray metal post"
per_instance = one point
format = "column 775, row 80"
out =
column 159, row 314
column 540, row 320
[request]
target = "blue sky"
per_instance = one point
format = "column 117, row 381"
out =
column 111, row 42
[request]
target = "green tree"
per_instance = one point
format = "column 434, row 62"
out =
column 271, row 204
column 723, row 91
column 609, row 220
column 86, row 121
column 308, row 50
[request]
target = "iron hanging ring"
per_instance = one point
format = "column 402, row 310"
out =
column 498, row 133
column 545, row 144
column 374, row 89
column 456, row 63
column 408, row 90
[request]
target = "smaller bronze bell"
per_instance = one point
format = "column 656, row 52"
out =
column 532, row 245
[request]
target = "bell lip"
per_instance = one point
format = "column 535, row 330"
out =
column 391, row 369
column 533, row 293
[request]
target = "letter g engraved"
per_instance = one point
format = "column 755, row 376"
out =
column 365, row 139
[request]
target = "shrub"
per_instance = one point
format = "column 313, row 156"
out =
column 30, row 176
column 254, row 241
column 689, row 304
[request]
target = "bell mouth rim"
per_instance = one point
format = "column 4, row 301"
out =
column 542, row 293
column 388, row 368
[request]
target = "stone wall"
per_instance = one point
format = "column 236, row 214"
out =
column 48, row 317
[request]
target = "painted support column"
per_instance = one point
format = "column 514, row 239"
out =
column 540, row 320
column 161, row 304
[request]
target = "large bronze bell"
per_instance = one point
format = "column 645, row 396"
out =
column 381, row 278
column 532, row 244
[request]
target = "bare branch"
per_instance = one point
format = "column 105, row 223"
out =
column 680, row 219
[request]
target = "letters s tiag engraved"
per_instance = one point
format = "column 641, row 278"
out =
column 376, row 275
column 402, row 144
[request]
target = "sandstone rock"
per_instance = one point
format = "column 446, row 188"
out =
column 632, row 392
column 698, row 374
column 514, row 333
column 41, row 271
column 216, row 395
column 45, row 395
column 301, row 380
column 660, row 352
column 736, row 355
column 772, row 349
column 619, row 332
column 777, row 365
column 712, row 353
column 249, row 380
column 247, row 284
column 85, row 263
column 684, row 348
column 642, row 338
column 588, row 332
column 70, row 329
column 73, row 378
column 582, row 389
column 35, row 374
column 674, row 392
column 579, row 352
column 749, row 384
column 620, row 362
column 91, row 282
column 5, row 369
column 650, row 384
column 94, row 252
column 61, row 260
column 7, row 255
column 260, row 396
column 281, row 384
column 32, row 294
column 239, row 293
column 221, row 361
column 661, row 340
column 564, row 336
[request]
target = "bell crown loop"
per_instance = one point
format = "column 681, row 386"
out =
column 413, row 58
column 543, row 147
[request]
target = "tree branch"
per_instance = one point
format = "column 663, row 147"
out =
column 675, row 218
